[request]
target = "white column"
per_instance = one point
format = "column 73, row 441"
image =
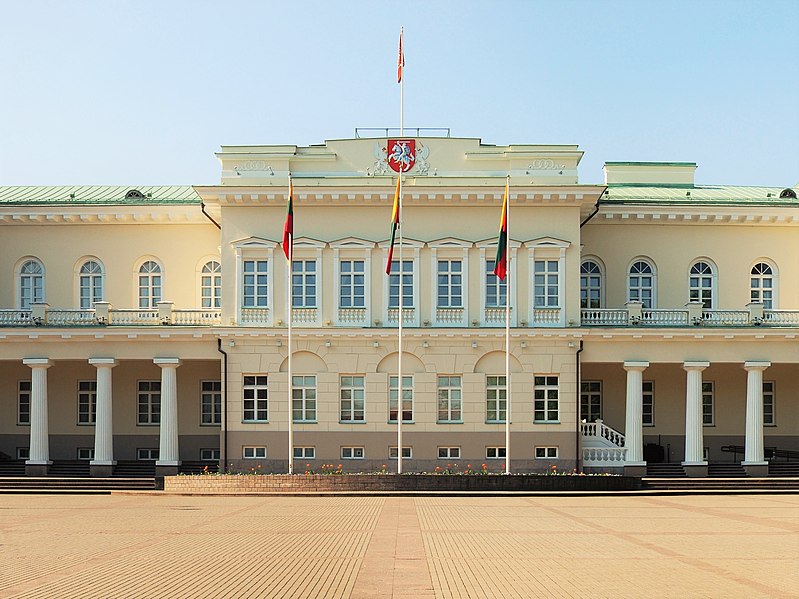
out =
column 633, row 431
column 168, row 446
column 103, row 426
column 753, row 455
column 694, row 440
column 39, row 439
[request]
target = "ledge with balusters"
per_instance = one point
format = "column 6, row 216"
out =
column 103, row 314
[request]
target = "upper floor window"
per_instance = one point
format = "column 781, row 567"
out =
column 641, row 284
column 352, row 284
column 450, row 284
column 407, row 284
column 90, row 284
column 590, row 285
column 496, row 290
column 761, row 285
column 31, row 283
column 303, row 283
column 254, row 283
column 211, row 285
column 149, row 284
column 545, row 284
column 700, row 284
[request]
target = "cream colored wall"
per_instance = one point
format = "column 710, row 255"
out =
column 121, row 248
column 734, row 249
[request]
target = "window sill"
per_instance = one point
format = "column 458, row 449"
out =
column 546, row 421
column 305, row 421
column 495, row 421
column 211, row 424
column 148, row 424
column 352, row 421
column 449, row 421
column 403, row 422
column 255, row 422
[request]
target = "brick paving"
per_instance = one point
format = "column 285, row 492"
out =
column 152, row 545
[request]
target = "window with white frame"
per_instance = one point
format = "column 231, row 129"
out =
column 147, row 454
column 590, row 400
column 255, row 281
column 352, row 284
column 495, row 453
column 450, row 283
column 545, row 398
column 449, row 399
column 769, row 398
column 407, row 284
column 407, row 399
column 149, row 284
column 496, row 290
column 590, row 285
column 211, row 284
column 24, row 403
column 31, row 284
column 352, row 453
column 449, row 453
column 211, row 403
column 90, row 284
column 303, row 283
column 305, row 453
column 707, row 404
column 352, row 394
column 303, row 398
column 255, row 394
column 87, row 402
column 761, row 285
column 700, row 284
column 641, row 284
column 546, row 453
column 85, row 453
column 496, row 398
column 149, row 402
column 545, row 284
column 648, row 403
column 253, row 452
column 210, row 454
column 407, row 453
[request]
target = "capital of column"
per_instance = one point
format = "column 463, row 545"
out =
column 103, row 362
column 755, row 366
column 636, row 366
column 37, row 362
column 695, row 366
column 167, row 362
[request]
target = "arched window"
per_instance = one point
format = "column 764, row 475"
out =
column 590, row 285
column 701, row 284
column 90, row 284
column 149, row 284
column 641, row 284
column 211, row 285
column 31, row 283
column 761, row 285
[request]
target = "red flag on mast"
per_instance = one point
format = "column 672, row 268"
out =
column 400, row 60
column 288, row 227
column 501, row 262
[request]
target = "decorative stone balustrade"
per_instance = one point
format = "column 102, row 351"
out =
column 495, row 316
column 604, row 456
column 545, row 317
column 352, row 317
column 600, row 430
column 450, row 317
column 408, row 316
column 632, row 317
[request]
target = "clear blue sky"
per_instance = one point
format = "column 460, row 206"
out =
column 145, row 92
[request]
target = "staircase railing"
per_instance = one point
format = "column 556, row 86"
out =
column 601, row 430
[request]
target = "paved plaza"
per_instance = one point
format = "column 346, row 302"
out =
column 151, row 545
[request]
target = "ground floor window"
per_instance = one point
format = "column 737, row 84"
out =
column 24, row 403
column 545, row 393
column 769, row 417
column 648, row 403
column 546, row 453
column 352, row 394
column 87, row 402
column 590, row 401
column 85, row 453
column 23, row 453
column 210, row 454
column 496, row 399
column 495, row 453
column 305, row 453
column 352, row 453
column 449, row 453
column 303, row 398
column 449, row 399
column 149, row 402
column 211, row 403
column 707, row 403
column 253, row 452
column 255, row 396
column 407, row 453
column 147, row 454
column 407, row 399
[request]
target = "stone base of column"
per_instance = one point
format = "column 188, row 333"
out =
column 755, row 468
column 37, row 469
column 167, row 468
column 102, row 469
column 695, row 468
column 636, row 469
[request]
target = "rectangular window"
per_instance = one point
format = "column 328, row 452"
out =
column 85, row 453
column 707, row 404
column 210, row 454
column 24, row 403
column 211, row 403
column 648, row 404
column 352, row 284
column 545, row 284
column 149, row 402
column 407, row 284
column 545, row 393
column 352, row 453
column 87, row 402
column 495, row 453
column 407, row 453
column 769, row 396
column 496, row 399
column 303, row 283
column 449, row 399
column 23, row 453
column 352, row 393
column 496, row 290
column 255, row 394
column 449, row 453
column 546, row 453
column 591, row 400
column 305, row 453
column 407, row 399
column 254, row 284
column 253, row 452
column 303, row 398
column 450, row 284
column 147, row 454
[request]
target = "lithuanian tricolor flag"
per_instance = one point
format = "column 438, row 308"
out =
column 395, row 219
column 288, row 227
column 501, row 262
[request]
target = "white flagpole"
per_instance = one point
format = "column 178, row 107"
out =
column 401, row 273
column 289, row 316
column 507, row 331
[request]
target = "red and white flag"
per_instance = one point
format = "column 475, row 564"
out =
column 400, row 60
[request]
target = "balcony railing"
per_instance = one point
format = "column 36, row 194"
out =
column 41, row 315
column 352, row 317
column 494, row 316
column 15, row 318
column 254, row 316
column 200, row 317
column 304, row 316
column 546, row 317
column 450, row 317
column 408, row 316
column 622, row 317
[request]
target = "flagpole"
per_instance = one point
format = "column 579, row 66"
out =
column 507, row 331
column 400, row 390
column 289, row 257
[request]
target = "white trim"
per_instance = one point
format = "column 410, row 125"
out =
column 18, row 281
column 416, row 247
column 547, row 248
column 450, row 247
column 198, row 277
column 255, row 248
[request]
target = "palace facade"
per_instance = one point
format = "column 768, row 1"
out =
column 654, row 321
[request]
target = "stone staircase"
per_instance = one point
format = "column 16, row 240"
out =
column 783, row 469
column 672, row 470
column 603, row 446
column 737, row 484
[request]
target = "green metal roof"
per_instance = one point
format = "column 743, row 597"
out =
column 66, row 195
column 696, row 195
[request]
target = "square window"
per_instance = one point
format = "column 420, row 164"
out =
column 352, row 453
column 407, row 453
column 305, row 453
column 254, row 452
column 495, row 453
column 449, row 453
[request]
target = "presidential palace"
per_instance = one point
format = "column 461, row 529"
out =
column 654, row 322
